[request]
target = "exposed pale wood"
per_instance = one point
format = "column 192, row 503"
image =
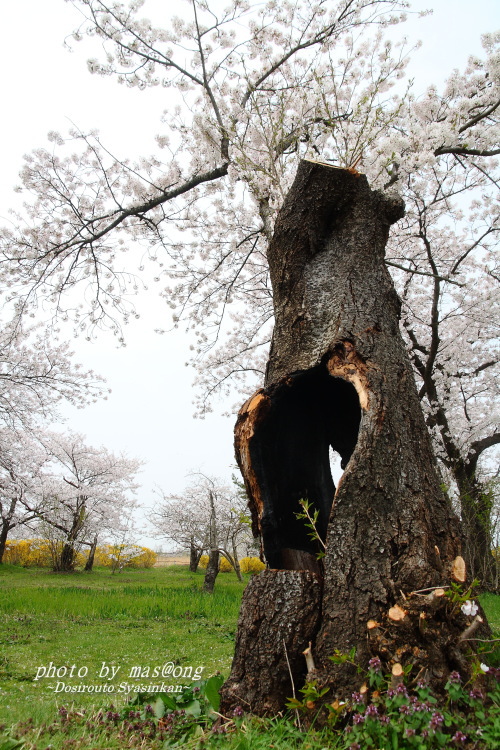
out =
column 309, row 658
column 397, row 675
column 477, row 621
column 435, row 594
column 396, row 613
column 458, row 572
column 422, row 623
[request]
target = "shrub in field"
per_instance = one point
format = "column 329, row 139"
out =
column 251, row 565
column 29, row 553
column 145, row 558
column 39, row 553
column 224, row 564
column 124, row 556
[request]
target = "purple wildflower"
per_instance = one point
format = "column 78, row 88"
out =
column 455, row 677
column 375, row 664
column 436, row 720
column 459, row 737
column 476, row 694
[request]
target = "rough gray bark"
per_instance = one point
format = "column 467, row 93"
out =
column 278, row 619
column 194, row 556
column 338, row 376
column 212, row 571
column 4, row 533
column 213, row 554
column 89, row 565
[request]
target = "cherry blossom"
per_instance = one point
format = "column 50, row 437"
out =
column 252, row 89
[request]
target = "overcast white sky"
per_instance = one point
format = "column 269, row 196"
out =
column 44, row 87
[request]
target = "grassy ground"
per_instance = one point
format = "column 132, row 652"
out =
column 491, row 604
column 99, row 621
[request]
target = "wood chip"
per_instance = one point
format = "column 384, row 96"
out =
column 371, row 624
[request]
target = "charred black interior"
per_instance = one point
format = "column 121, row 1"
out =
column 310, row 412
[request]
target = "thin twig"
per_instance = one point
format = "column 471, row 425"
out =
column 293, row 683
column 424, row 273
column 432, row 588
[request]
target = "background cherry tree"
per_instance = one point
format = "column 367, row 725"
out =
column 22, row 461
column 252, row 89
column 88, row 495
column 37, row 374
column 209, row 516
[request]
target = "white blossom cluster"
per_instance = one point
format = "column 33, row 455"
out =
column 254, row 88
column 469, row 608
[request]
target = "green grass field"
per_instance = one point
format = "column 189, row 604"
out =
column 102, row 624
column 143, row 618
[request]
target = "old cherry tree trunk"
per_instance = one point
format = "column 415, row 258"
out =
column 339, row 379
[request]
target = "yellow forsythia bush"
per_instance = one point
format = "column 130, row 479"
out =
column 28, row 553
column 146, row 559
column 224, row 565
column 131, row 555
column 37, row 553
column 251, row 565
